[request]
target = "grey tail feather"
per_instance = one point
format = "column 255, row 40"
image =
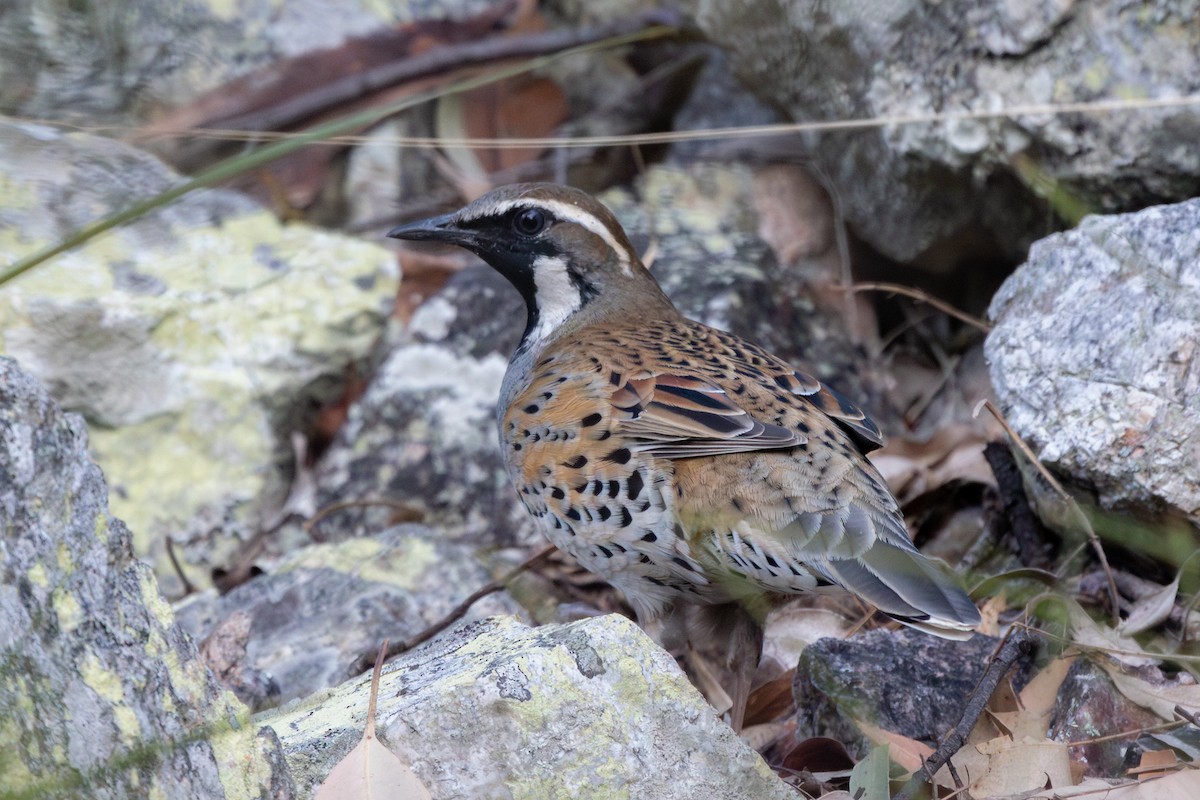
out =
column 910, row 588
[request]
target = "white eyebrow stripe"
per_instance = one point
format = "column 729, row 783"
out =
column 566, row 212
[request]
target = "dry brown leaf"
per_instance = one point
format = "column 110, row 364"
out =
column 1159, row 699
column 792, row 627
column 1156, row 763
column 1014, row 767
column 1086, row 632
column 762, row 735
column 1040, row 694
column 818, row 754
column 913, row 467
column 1182, row 785
column 370, row 770
column 1152, row 609
column 704, row 676
column 516, row 108
column 771, row 700
column 908, row 753
column 990, row 612
column 1020, row 759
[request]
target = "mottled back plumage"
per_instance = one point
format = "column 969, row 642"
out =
column 679, row 462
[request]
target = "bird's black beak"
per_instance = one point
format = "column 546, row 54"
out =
column 435, row 229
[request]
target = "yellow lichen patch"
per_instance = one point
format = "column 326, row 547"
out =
column 404, row 566
column 107, row 684
column 37, row 576
column 343, row 557
column 1096, row 76
column 189, row 680
column 241, row 759
column 153, row 599
column 101, row 530
column 201, row 466
column 14, row 774
column 66, row 609
column 17, row 194
column 66, row 563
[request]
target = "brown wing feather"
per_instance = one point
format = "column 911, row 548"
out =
column 834, row 405
column 681, row 416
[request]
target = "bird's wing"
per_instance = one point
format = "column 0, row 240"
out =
column 682, row 416
column 833, row 404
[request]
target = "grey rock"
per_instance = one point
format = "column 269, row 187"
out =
column 113, row 62
column 908, row 187
column 424, row 432
column 717, row 101
column 324, row 607
column 903, row 681
column 100, row 690
column 194, row 340
column 591, row 709
column 1088, row 703
column 1095, row 356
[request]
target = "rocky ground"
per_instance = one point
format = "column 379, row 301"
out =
column 244, row 439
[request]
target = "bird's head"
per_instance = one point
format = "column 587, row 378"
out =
column 562, row 249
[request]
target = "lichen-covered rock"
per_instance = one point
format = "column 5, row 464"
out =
column 193, row 340
column 101, row 693
column 1095, row 355
column 322, row 608
column 424, row 432
column 907, row 188
column 591, row 709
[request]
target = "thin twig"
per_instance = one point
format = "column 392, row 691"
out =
column 461, row 609
column 1166, row 726
column 1076, row 512
column 1023, row 524
column 188, row 587
column 842, row 240
column 332, row 508
column 1018, row 644
column 924, row 297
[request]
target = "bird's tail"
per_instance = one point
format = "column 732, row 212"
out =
column 910, row 588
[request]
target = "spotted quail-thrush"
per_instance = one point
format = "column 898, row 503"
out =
column 682, row 464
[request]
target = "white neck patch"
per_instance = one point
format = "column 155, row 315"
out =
column 567, row 213
column 557, row 297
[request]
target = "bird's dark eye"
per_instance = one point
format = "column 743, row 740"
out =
column 529, row 222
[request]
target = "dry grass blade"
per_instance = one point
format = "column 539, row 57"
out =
column 923, row 297
column 1091, row 107
column 370, row 770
